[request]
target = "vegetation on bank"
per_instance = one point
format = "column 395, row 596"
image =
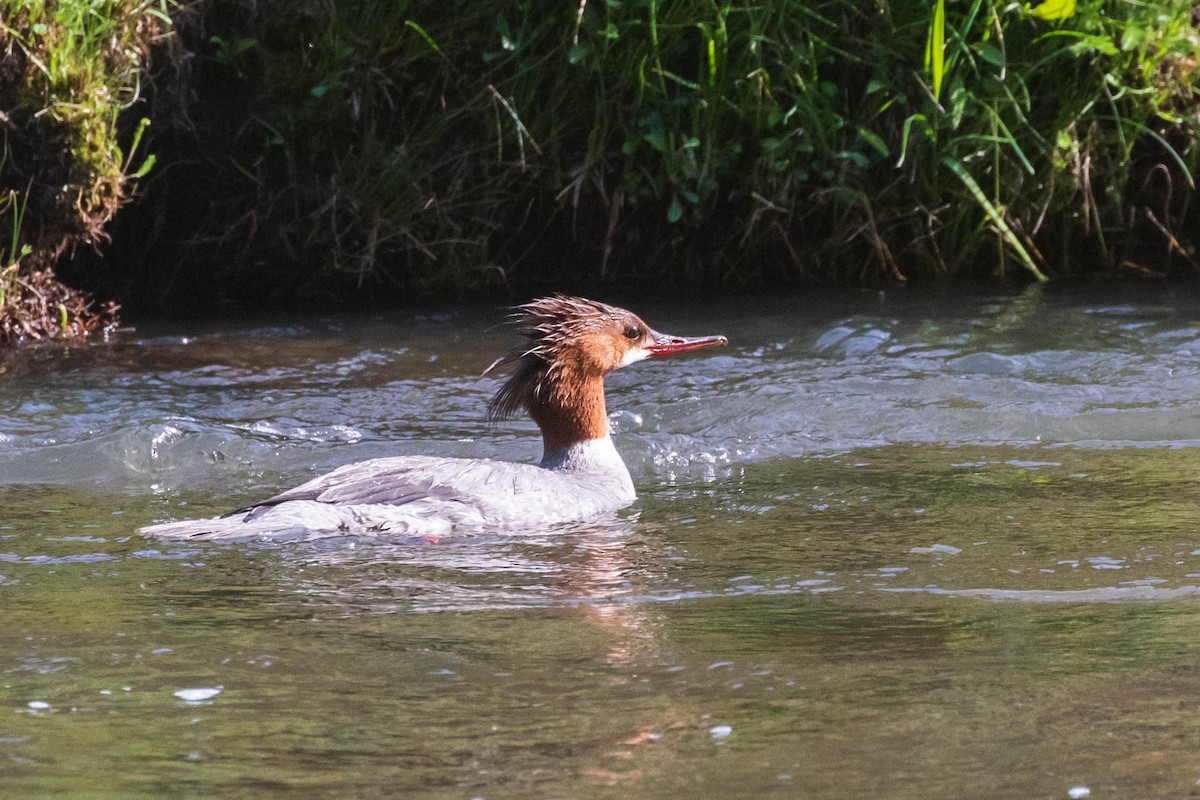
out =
column 68, row 70
column 360, row 148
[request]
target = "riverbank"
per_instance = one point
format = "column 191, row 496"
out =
column 372, row 153
column 70, row 82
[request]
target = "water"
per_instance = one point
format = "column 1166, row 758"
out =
column 905, row 546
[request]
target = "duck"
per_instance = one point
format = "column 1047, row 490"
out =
column 557, row 378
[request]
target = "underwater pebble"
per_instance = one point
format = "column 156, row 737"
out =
column 832, row 337
column 936, row 548
column 985, row 364
column 870, row 340
column 199, row 694
column 720, row 731
column 1076, row 792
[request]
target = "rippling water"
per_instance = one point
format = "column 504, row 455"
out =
column 901, row 545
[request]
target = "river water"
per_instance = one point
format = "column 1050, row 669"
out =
column 901, row 545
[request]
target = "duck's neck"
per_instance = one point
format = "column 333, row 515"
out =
column 569, row 409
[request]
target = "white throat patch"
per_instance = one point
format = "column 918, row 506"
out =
column 634, row 355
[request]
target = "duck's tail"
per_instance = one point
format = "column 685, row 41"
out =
column 232, row 528
column 300, row 520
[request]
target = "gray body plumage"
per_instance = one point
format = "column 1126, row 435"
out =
column 431, row 496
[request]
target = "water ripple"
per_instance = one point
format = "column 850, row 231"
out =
column 796, row 382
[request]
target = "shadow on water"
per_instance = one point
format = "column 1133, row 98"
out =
column 893, row 547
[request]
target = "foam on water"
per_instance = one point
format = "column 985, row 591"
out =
column 796, row 381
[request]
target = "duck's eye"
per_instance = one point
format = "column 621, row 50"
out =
column 632, row 332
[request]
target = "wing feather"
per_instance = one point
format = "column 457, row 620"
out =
column 404, row 479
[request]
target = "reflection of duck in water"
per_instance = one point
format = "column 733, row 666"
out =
column 558, row 380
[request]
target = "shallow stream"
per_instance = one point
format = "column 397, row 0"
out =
column 898, row 545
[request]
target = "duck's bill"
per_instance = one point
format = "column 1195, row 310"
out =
column 664, row 345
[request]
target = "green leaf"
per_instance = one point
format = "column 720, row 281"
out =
column 990, row 53
column 935, row 48
column 656, row 140
column 906, row 132
column 652, row 122
column 675, row 210
column 428, row 39
column 858, row 159
column 1054, row 10
column 1132, row 38
column 146, row 166
column 578, row 53
column 874, row 140
column 1101, row 44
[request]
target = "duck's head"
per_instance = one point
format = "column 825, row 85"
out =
column 572, row 340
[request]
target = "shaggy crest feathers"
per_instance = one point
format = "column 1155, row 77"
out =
column 549, row 324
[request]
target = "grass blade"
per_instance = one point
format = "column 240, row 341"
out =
column 1006, row 233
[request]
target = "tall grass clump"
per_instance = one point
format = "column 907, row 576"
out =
column 839, row 142
column 68, row 70
column 364, row 147
column 1073, row 130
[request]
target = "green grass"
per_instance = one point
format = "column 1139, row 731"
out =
column 419, row 146
column 70, row 69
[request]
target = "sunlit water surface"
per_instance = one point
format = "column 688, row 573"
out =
column 902, row 546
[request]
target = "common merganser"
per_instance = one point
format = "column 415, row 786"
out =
column 558, row 380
